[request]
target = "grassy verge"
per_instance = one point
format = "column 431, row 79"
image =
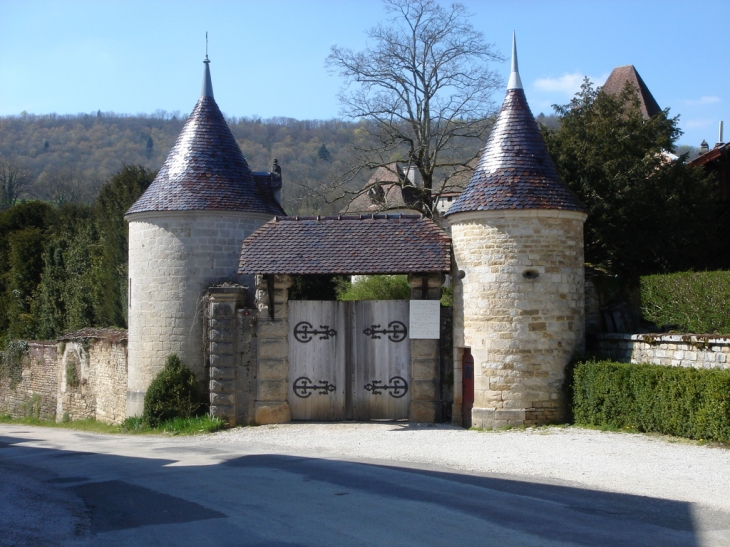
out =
column 178, row 426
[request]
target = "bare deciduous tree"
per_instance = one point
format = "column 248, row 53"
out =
column 66, row 185
column 14, row 180
column 421, row 88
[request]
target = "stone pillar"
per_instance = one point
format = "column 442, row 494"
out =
column 271, row 406
column 246, row 365
column 222, row 304
column 425, row 363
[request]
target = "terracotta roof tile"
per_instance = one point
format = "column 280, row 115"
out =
column 618, row 79
column 515, row 170
column 364, row 244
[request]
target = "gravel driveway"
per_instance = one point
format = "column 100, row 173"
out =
column 647, row 465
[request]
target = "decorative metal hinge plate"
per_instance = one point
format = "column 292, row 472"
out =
column 396, row 331
column 304, row 332
column 304, row 387
column 397, row 388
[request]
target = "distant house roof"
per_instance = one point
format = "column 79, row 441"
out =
column 515, row 170
column 206, row 170
column 618, row 79
column 388, row 189
column 362, row 244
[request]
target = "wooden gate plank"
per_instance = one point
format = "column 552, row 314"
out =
column 317, row 341
column 379, row 357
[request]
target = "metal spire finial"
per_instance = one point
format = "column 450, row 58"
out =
column 207, row 82
column 514, row 78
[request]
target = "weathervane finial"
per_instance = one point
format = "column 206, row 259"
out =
column 207, row 83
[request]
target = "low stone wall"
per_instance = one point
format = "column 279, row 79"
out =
column 82, row 375
column 32, row 392
column 92, row 375
column 676, row 350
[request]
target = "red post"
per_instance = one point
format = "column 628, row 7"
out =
column 467, row 387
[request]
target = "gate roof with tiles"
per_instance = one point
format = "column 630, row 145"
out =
column 346, row 244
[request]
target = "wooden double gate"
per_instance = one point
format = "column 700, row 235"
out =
column 349, row 360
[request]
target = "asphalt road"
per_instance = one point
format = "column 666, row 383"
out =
column 59, row 487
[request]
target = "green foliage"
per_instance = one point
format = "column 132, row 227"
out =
column 32, row 407
column 174, row 393
column 177, row 426
column 685, row 402
column 11, row 361
column 65, row 268
column 696, row 302
column 646, row 214
column 316, row 287
column 375, row 287
column 72, row 376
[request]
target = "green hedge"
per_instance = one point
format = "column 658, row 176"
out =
column 686, row 402
column 695, row 302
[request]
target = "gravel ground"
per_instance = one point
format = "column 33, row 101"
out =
column 647, row 465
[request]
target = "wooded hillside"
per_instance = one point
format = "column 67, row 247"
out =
column 68, row 157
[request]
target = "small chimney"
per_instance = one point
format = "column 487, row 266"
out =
column 704, row 147
column 719, row 135
column 413, row 176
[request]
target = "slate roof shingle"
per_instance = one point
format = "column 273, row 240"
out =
column 363, row 244
column 206, row 170
column 515, row 170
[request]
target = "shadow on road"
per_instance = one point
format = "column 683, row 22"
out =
column 288, row 501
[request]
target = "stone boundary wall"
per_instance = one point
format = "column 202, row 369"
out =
column 35, row 392
column 675, row 350
column 83, row 375
column 92, row 376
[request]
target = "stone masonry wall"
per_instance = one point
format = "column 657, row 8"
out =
column 92, row 378
column 173, row 258
column 272, row 341
column 522, row 299
column 83, row 376
column 672, row 350
column 425, row 361
column 35, row 392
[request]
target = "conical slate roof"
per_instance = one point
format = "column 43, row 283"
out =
column 618, row 79
column 206, row 170
column 515, row 170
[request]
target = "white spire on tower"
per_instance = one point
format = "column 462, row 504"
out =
column 514, row 77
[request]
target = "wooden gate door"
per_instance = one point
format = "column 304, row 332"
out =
column 380, row 357
column 317, row 369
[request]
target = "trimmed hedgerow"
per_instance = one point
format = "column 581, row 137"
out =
column 174, row 393
column 696, row 302
column 685, row 402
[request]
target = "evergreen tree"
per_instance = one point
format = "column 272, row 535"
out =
column 646, row 213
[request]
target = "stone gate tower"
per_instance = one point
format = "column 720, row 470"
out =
column 517, row 233
column 185, row 234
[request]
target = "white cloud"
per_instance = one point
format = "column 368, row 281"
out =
column 567, row 84
column 707, row 99
column 699, row 122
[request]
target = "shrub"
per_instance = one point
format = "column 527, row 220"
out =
column 696, row 302
column 686, row 402
column 376, row 287
column 174, row 393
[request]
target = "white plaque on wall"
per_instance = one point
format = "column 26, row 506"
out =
column 425, row 319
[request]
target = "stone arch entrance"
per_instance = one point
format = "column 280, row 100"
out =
column 260, row 380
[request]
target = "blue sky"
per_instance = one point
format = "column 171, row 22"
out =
column 268, row 56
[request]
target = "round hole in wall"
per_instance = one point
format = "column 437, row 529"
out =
column 530, row 273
